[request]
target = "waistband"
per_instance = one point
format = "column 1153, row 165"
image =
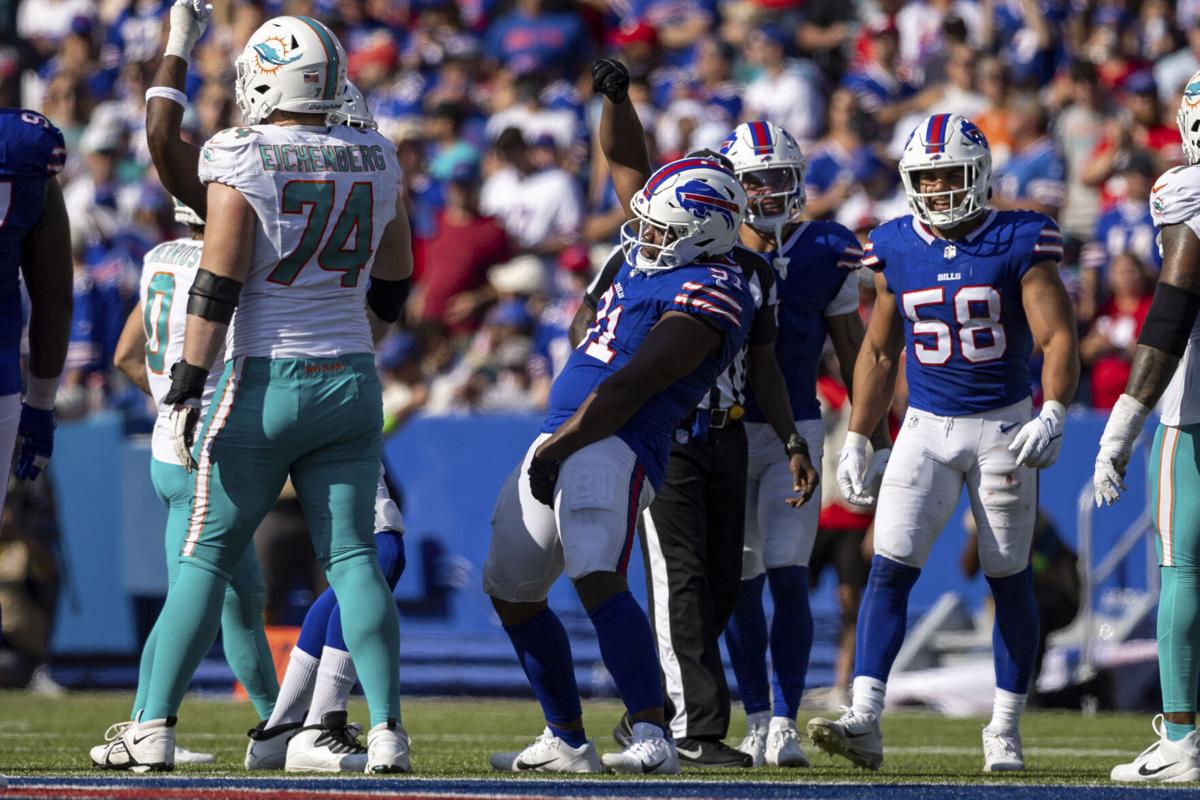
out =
column 1022, row 409
column 305, row 368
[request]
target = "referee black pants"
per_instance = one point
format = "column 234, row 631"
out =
column 692, row 537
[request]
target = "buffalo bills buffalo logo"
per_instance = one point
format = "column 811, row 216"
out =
column 972, row 134
column 702, row 201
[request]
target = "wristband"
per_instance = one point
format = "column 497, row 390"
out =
column 40, row 392
column 167, row 93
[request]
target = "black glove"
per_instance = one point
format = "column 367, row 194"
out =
column 543, row 475
column 611, row 79
column 187, row 387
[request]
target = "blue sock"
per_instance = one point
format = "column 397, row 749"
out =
column 1015, row 635
column 791, row 637
column 1177, row 731
column 628, row 649
column 746, row 641
column 316, row 623
column 545, row 654
column 883, row 617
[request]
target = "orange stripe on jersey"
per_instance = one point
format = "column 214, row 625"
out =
column 204, row 469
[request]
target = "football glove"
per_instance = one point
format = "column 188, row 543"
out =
column 187, row 387
column 1116, row 444
column 543, row 476
column 857, row 477
column 189, row 19
column 1039, row 441
column 35, row 442
column 611, row 79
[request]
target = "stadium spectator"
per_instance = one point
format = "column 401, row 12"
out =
column 1107, row 349
column 923, row 27
column 533, row 38
column 541, row 209
column 1173, row 71
column 453, row 264
column 994, row 84
column 880, row 84
column 786, row 91
column 1034, row 176
column 1079, row 129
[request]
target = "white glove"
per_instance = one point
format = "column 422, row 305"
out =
column 183, row 419
column 857, row 478
column 189, row 19
column 1116, row 444
column 1039, row 441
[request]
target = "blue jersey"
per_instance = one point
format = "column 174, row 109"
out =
column 31, row 152
column 967, row 342
column 1037, row 172
column 821, row 257
column 712, row 292
column 1125, row 228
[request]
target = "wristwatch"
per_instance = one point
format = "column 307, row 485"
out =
column 796, row 446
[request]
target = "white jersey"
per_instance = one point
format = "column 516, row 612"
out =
column 323, row 197
column 167, row 275
column 1175, row 198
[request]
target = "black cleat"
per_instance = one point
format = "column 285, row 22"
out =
column 703, row 753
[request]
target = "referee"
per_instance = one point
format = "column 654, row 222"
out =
column 692, row 534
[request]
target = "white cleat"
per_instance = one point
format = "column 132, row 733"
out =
column 754, row 743
column 783, row 744
column 1164, row 761
column 332, row 746
column 1002, row 751
column 185, row 756
column 854, row 736
column 650, row 753
column 138, row 747
column 548, row 753
column 268, row 747
column 387, row 749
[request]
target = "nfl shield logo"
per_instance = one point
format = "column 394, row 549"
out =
column 950, row 252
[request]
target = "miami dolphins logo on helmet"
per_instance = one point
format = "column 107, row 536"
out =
column 1191, row 93
column 702, row 201
column 273, row 54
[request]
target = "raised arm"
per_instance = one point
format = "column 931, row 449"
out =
column 174, row 159
column 622, row 139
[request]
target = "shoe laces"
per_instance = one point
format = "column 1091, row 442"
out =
column 850, row 717
column 644, row 746
column 1001, row 744
column 340, row 740
column 756, row 736
column 116, row 730
column 782, row 736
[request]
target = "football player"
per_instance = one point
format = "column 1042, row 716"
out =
column 152, row 340
column 677, row 313
column 1165, row 365
column 964, row 292
column 299, row 395
column 817, row 284
column 35, row 245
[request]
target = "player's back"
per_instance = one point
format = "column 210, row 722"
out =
column 167, row 275
column 820, row 258
column 967, row 340
column 1175, row 199
column 322, row 197
column 714, row 292
column 31, row 152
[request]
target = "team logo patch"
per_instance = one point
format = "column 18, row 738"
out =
column 972, row 134
column 1191, row 93
column 702, row 200
column 273, row 54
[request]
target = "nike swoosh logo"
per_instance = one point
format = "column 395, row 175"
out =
column 689, row 753
column 1009, row 427
column 144, row 738
column 1145, row 773
column 526, row 765
column 648, row 768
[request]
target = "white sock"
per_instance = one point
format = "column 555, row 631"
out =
column 867, row 695
column 1006, row 710
column 759, row 719
column 335, row 679
column 296, row 690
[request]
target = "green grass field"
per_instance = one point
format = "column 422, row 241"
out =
column 451, row 738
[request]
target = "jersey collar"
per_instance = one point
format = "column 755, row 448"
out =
column 927, row 236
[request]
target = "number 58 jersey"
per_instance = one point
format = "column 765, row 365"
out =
column 715, row 293
column 322, row 197
column 967, row 341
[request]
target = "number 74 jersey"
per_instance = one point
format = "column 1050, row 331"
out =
column 967, row 341
column 322, row 197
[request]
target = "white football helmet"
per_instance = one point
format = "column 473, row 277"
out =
column 771, row 166
column 290, row 64
column 184, row 215
column 689, row 209
column 353, row 112
column 947, row 140
column 1188, row 119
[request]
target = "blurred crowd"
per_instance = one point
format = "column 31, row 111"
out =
column 490, row 106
